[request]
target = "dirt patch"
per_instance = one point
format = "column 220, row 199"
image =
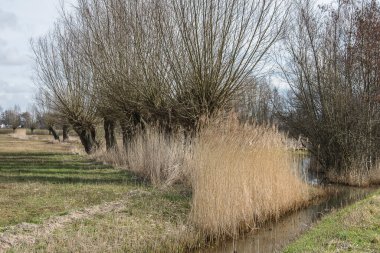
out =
column 27, row 233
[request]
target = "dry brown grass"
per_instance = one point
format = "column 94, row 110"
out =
column 24, row 144
column 152, row 155
column 356, row 176
column 241, row 176
column 115, row 157
column 158, row 157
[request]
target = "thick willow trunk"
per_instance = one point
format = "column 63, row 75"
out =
column 87, row 136
column 65, row 132
column 126, row 132
column 54, row 133
column 109, row 131
column 130, row 127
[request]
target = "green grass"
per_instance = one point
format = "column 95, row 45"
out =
column 150, row 223
column 352, row 229
column 34, row 186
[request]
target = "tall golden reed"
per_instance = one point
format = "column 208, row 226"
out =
column 158, row 157
column 242, row 175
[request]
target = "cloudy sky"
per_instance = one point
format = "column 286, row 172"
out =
column 21, row 20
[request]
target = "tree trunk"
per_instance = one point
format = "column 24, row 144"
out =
column 87, row 137
column 126, row 131
column 109, row 130
column 65, row 132
column 54, row 133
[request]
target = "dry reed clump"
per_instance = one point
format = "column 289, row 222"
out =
column 158, row 156
column 374, row 175
column 241, row 176
column 356, row 176
column 115, row 157
column 152, row 155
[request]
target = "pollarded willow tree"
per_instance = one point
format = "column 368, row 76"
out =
column 174, row 62
column 210, row 48
column 111, row 53
column 332, row 69
column 67, row 83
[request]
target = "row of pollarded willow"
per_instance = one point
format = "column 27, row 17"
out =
column 170, row 62
column 333, row 69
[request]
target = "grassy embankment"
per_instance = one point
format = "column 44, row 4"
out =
column 353, row 229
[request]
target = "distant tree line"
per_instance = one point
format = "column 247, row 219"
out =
column 33, row 118
column 14, row 118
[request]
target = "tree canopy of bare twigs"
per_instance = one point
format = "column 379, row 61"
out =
column 332, row 69
column 66, row 83
column 166, row 62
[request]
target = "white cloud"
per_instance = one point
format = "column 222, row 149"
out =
column 18, row 92
column 12, row 57
column 7, row 88
column 20, row 21
column 7, row 20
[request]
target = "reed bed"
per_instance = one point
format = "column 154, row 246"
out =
column 242, row 175
column 152, row 155
column 159, row 157
column 355, row 176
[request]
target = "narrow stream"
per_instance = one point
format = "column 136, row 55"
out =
column 273, row 236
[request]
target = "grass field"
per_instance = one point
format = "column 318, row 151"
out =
column 352, row 229
column 40, row 181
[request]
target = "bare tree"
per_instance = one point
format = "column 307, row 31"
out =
column 257, row 102
column 67, row 83
column 12, row 117
column 332, row 72
column 45, row 115
column 107, row 48
column 210, row 48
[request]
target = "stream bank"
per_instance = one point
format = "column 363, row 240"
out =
column 274, row 236
column 352, row 229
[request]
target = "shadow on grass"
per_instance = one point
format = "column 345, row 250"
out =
column 56, row 166
column 60, row 169
column 69, row 180
column 32, row 155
